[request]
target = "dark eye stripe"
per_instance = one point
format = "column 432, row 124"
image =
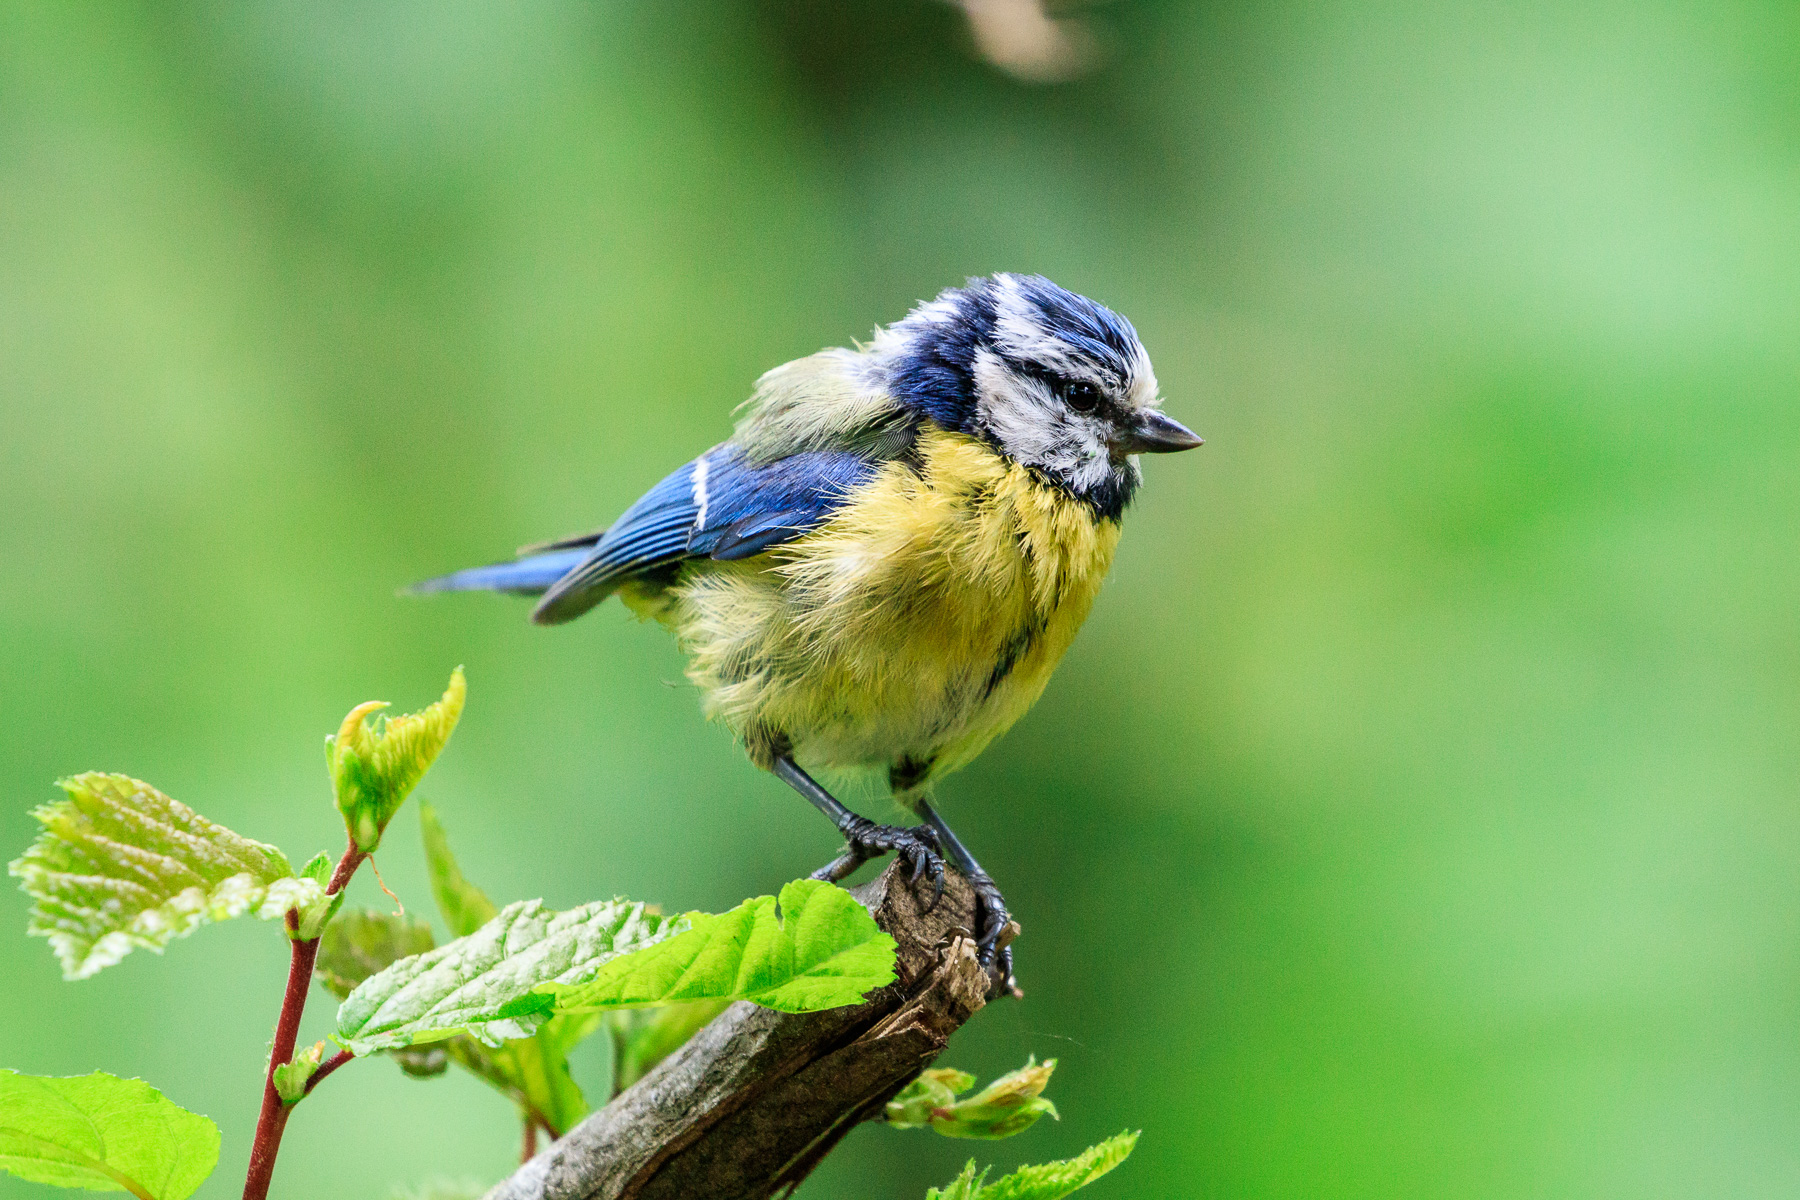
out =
column 1056, row 381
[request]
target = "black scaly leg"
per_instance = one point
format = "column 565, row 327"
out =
column 863, row 839
column 991, row 906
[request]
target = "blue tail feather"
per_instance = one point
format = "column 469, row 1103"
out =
column 526, row 577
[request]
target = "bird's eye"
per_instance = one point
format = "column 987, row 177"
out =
column 1082, row 397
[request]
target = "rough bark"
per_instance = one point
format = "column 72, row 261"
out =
column 756, row 1099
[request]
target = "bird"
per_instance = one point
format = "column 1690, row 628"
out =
column 883, row 564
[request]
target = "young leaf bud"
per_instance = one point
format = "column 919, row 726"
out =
column 291, row 1077
column 1011, row 1104
column 375, row 764
column 933, row 1090
column 312, row 917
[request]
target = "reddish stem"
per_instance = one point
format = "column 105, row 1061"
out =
column 325, row 1068
column 273, row 1119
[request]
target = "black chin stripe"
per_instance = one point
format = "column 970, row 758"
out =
column 1108, row 498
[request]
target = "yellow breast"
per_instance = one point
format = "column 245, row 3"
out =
column 915, row 625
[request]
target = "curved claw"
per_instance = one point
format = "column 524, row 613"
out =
column 926, row 858
column 1005, row 983
column 934, row 871
column 917, row 847
column 937, row 887
column 993, row 918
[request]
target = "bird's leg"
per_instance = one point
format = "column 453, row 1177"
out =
column 863, row 839
column 991, row 910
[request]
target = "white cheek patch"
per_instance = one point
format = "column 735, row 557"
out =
column 1034, row 428
column 1016, row 411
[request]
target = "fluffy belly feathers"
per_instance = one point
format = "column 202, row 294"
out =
column 909, row 630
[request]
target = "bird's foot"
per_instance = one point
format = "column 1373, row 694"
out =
column 863, row 839
column 992, row 920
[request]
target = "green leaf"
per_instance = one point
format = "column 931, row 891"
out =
column 1051, row 1181
column 504, row 980
column 823, row 951
column 360, row 942
column 373, row 767
column 1011, row 1104
column 966, row 1186
column 317, row 869
column 472, row 984
column 466, row 907
column 103, row 1133
column 120, row 865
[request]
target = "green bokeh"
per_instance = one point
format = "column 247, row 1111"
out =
column 1416, row 816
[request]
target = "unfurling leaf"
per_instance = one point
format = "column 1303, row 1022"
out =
column 292, row 1076
column 465, row 907
column 1011, row 1104
column 120, row 865
column 934, row 1089
column 103, row 1133
column 504, row 980
column 1050, row 1181
column 360, row 942
column 374, row 766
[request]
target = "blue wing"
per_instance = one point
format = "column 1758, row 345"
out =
column 721, row 506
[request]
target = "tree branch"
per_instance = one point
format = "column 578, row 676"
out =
column 757, row 1098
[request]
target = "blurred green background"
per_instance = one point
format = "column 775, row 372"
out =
column 1416, row 816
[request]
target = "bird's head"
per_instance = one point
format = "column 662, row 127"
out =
column 1050, row 379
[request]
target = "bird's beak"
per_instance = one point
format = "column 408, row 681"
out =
column 1154, row 432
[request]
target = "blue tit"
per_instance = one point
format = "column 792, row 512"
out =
column 884, row 563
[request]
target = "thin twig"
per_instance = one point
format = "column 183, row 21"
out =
column 325, row 1068
column 272, row 1120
